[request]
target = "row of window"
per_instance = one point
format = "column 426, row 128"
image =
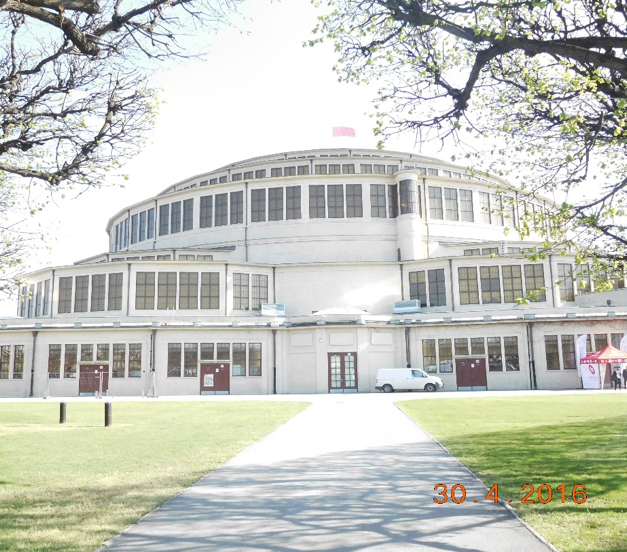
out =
column 184, row 359
column 12, row 362
column 35, row 299
column 560, row 350
column 106, row 293
column 567, row 275
column 438, row 355
column 126, row 360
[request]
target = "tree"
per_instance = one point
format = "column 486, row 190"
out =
column 75, row 101
column 539, row 86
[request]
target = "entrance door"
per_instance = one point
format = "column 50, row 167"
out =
column 471, row 374
column 89, row 379
column 342, row 372
column 215, row 379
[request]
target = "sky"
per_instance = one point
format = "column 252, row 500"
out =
column 257, row 91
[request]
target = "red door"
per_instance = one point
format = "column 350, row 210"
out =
column 215, row 379
column 471, row 374
column 342, row 372
column 90, row 377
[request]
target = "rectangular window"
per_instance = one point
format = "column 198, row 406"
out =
column 190, row 369
column 490, row 284
column 71, row 358
column 119, row 360
column 490, row 251
column 223, row 351
column 348, row 169
column 142, row 226
column 335, row 198
column 240, row 291
column 237, row 207
column 87, row 353
column 134, row 228
column 210, row 290
column 450, row 204
column 435, row 203
column 429, row 362
column 392, row 201
column 174, row 360
column 292, row 196
column 477, row 346
column 206, row 211
column 261, row 173
column 24, row 301
column 151, row 224
column 615, row 339
column 600, row 341
column 188, row 214
column 484, row 208
column 564, row 273
column 236, row 177
column 289, row 171
column 276, row 172
column 365, row 169
column 166, row 291
column 446, row 356
column 18, row 362
column 188, row 292
column 248, row 175
column 102, row 352
column 354, row 201
column 495, row 356
column 466, row 207
column 259, row 290
column 65, row 294
column 303, row 169
column 135, row 360
column 461, row 346
column 164, row 220
column 418, row 287
column 254, row 359
column 410, row 197
column 239, row 359
column 468, row 285
column 437, row 288
column 497, row 209
column 258, row 205
column 81, row 294
column 379, row 169
column 206, row 351
column 569, row 358
column 509, row 211
column 115, row 291
column 223, row 179
column 31, row 300
column 46, row 306
column 377, row 201
column 534, row 282
column 275, row 204
column 5, row 361
column 222, row 210
column 582, row 275
column 54, row 361
column 512, row 283
column 552, row 352
column 316, row 202
column 512, row 363
column 175, row 218
column 98, row 292
column 334, row 169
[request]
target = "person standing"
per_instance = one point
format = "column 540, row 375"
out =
column 616, row 379
column 625, row 377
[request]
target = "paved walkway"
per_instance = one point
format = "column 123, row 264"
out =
column 349, row 473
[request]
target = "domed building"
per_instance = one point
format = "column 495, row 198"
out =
column 306, row 272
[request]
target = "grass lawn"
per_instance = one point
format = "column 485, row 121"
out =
column 71, row 487
column 556, row 440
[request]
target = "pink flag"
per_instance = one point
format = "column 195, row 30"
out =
column 344, row 131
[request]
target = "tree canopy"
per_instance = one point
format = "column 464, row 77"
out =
column 538, row 87
column 75, row 100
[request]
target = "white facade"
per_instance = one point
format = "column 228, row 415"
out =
column 337, row 237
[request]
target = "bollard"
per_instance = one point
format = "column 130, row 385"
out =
column 107, row 414
column 62, row 411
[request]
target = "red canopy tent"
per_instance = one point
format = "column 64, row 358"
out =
column 609, row 355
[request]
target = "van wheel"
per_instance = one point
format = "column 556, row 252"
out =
column 430, row 387
column 387, row 388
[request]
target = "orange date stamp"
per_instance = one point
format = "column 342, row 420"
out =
column 544, row 494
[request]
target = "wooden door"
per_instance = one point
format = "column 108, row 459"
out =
column 215, row 378
column 342, row 372
column 89, row 379
column 471, row 374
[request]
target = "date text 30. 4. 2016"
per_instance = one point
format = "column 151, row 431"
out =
column 545, row 494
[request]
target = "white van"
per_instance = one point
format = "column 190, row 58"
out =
column 396, row 379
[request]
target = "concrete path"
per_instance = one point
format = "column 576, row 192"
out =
column 346, row 474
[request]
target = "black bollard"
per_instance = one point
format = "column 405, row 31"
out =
column 62, row 411
column 107, row 414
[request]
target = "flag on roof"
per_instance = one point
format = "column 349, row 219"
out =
column 344, row 131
